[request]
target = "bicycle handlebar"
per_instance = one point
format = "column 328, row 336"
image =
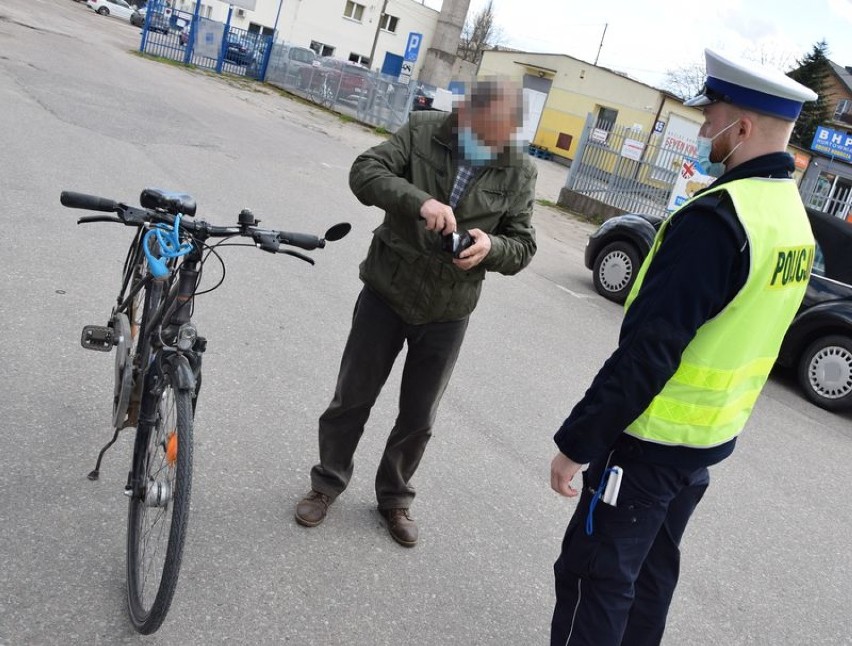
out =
column 265, row 239
column 89, row 202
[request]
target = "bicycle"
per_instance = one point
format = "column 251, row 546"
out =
column 158, row 371
column 322, row 92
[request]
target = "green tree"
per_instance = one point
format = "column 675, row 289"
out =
column 813, row 71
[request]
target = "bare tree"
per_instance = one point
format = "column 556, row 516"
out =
column 773, row 57
column 480, row 33
column 685, row 81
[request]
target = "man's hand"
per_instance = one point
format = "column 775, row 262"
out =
column 562, row 472
column 475, row 253
column 439, row 216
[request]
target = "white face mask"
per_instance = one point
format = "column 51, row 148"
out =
column 705, row 145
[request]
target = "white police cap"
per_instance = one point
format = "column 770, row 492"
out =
column 752, row 87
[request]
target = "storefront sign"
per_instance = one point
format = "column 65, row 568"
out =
column 689, row 181
column 632, row 149
column 678, row 142
column 833, row 143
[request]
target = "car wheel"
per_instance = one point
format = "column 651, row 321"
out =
column 825, row 372
column 615, row 269
column 103, row 11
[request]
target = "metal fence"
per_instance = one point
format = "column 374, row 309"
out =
column 370, row 97
column 194, row 40
column 625, row 167
column 833, row 198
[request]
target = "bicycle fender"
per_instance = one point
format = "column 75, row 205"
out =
column 181, row 372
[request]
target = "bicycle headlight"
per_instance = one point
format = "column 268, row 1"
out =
column 186, row 337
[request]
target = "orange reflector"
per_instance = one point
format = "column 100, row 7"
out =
column 171, row 448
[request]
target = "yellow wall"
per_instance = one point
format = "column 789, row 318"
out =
column 579, row 88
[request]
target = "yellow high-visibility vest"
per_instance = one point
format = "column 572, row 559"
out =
column 723, row 369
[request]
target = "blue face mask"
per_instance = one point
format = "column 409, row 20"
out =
column 705, row 145
column 473, row 150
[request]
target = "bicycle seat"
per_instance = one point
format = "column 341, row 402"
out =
column 174, row 203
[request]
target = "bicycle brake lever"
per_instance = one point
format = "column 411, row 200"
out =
column 296, row 254
column 87, row 219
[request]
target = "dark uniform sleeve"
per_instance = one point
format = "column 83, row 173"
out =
column 700, row 266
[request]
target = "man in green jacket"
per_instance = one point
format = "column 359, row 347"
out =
column 440, row 174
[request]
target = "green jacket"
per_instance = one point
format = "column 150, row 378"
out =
column 405, row 265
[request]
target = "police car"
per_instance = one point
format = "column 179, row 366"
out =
column 818, row 344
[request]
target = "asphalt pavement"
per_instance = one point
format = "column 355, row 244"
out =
column 766, row 559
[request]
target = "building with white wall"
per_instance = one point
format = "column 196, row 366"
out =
column 346, row 29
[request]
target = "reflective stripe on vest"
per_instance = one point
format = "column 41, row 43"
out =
column 724, row 368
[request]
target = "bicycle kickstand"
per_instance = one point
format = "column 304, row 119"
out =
column 94, row 474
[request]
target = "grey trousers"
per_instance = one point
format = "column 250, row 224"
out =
column 375, row 340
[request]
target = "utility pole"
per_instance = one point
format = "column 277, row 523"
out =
column 378, row 28
column 606, row 24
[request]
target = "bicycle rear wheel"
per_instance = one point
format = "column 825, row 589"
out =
column 157, row 519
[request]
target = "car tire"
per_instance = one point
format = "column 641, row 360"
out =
column 825, row 372
column 103, row 11
column 614, row 270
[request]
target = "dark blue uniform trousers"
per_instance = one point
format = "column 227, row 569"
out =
column 375, row 340
column 615, row 586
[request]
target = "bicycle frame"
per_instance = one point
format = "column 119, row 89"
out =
column 166, row 318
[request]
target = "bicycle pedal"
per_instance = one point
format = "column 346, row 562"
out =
column 98, row 337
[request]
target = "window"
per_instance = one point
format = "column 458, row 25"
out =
column 254, row 28
column 819, row 261
column 358, row 58
column 353, row 10
column 321, row 49
column 606, row 118
column 388, row 23
column 843, row 112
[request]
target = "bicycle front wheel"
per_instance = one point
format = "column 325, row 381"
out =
column 157, row 519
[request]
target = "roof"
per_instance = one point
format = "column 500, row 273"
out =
column 844, row 74
column 505, row 50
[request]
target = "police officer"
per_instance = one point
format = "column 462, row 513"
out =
column 702, row 328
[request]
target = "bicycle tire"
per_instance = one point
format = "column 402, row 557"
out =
column 160, row 516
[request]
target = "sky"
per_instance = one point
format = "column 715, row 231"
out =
column 645, row 39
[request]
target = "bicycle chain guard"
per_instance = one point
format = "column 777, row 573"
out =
column 123, row 369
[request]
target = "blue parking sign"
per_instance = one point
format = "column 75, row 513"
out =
column 412, row 47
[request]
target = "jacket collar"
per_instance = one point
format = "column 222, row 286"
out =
column 447, row 137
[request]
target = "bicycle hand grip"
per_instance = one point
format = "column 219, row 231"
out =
column 301, row 240
column 89, row 202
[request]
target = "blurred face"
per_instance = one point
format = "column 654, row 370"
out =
column 720, row 125
column 493, row 124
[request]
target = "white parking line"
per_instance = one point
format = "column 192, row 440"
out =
column 574, row 294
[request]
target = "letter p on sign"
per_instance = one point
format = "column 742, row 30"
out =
column 412, row 48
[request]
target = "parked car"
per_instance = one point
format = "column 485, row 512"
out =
column 239, row 53
column 818, row 343
column 423, row 98
column 158, row 22
column 117, row 8
column 345, row 80
column 288, row 61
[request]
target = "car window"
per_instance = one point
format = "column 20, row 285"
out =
column 819, row 261
column 301, row 56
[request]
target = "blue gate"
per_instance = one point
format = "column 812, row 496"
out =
column 193, row 40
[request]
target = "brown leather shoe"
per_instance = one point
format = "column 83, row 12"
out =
column 312, row 509
column 401, row 526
